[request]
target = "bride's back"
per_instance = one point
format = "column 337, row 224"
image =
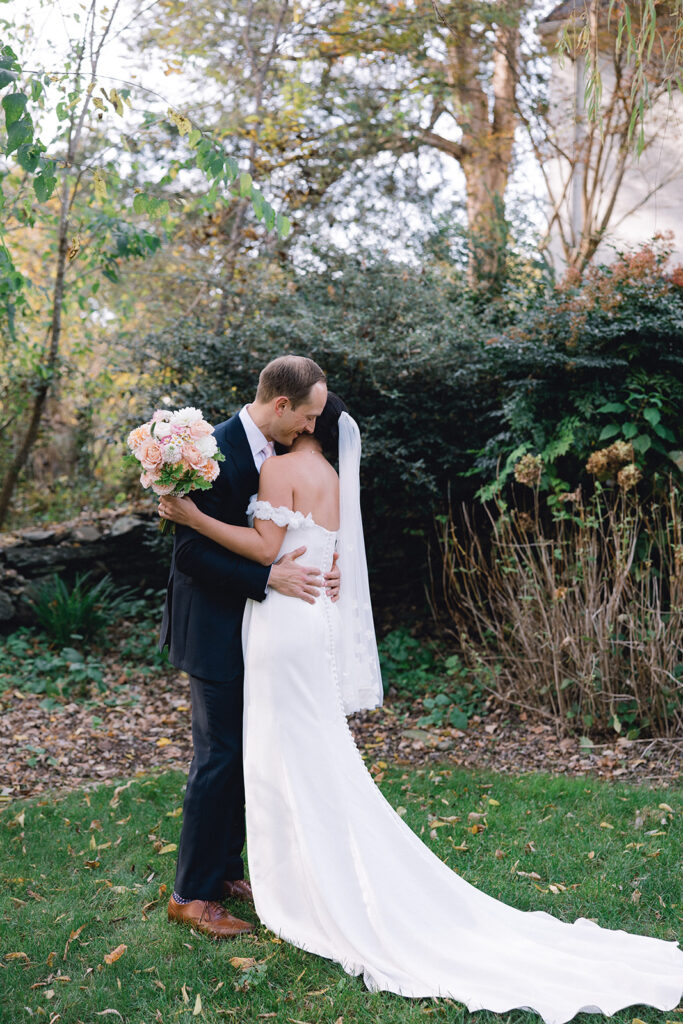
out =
column 315, row 486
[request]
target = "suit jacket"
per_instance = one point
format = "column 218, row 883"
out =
column 208, row 585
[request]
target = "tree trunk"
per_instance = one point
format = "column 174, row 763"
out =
column 49, row 366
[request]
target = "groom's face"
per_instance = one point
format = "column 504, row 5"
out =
column 289, row 423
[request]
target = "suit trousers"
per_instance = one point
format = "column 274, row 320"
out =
column 213, row 831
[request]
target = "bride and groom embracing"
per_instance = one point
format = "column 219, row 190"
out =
column 278, row 652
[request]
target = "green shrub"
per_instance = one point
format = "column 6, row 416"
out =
column 450, row 390
column 462, row 696
column 79, row 612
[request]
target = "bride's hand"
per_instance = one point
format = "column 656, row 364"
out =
column 178, row 510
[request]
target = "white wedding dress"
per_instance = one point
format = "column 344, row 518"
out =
column 337, row 872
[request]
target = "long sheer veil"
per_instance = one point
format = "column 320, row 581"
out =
column 357, row 658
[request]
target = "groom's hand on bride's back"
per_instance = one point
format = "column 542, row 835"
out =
column 288, row 577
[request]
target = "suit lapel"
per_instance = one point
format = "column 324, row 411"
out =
column 236, row 449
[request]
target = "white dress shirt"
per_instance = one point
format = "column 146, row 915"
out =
column 261, row 449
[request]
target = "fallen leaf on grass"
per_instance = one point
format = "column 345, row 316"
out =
column 605, row 824
column 74, row 935
column 243, row 963
column 17, row 956
column 103, row 1013
column 169, row 848
column 116, row 954
column 197, row 1006
column 186, row 998
column 665, row 807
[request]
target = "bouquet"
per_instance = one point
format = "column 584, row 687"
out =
column 177, row 452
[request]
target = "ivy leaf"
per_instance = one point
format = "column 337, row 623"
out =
column 612, row 407
column 283, row 224
column 44, row 186
column 609, row 431
column 14, row 105
column 245, row 184
column 20, row 133
column 28, row 156
column 7, row 76
column 194, row 138
column 141, row 203
column 231, row 168
column 642, row 443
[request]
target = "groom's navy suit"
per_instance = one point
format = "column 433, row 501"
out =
column 207, row 590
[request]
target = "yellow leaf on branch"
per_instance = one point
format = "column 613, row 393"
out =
column 100, row 185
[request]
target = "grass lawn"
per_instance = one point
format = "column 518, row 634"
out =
column 84, row 873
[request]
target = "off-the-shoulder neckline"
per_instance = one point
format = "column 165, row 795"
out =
column 306, row 516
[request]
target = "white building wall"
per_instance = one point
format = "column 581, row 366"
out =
column 650, row 199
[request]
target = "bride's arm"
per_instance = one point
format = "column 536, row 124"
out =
column 261, row 542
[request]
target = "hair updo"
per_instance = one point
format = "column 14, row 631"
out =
column 327, row 425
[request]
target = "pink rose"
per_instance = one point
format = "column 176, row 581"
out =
column 200, row 429
column 150, row 454
column 147, row 479
column 193, row 457
column 163, row 488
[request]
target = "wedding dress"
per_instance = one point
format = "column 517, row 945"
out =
column 337, row 872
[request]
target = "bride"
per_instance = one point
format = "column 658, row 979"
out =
column 334, row 869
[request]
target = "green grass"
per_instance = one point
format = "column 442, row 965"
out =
column 92, row 863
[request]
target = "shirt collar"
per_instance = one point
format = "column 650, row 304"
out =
column 257, row 440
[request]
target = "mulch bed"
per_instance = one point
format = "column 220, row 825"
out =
column 146, row 725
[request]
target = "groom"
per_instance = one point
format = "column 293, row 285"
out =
column 207, row 590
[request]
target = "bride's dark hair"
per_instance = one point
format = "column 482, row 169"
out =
column 327, row 425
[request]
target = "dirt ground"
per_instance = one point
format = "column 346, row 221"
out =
column 146, row 726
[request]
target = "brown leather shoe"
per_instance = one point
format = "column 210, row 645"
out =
column 237, row 889
column 208, row 916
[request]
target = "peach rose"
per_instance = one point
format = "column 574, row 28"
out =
column 137, row 436
column 150, row 454
column 210, row 470
column 193, row 457
column 200, row 429
column 163, row 488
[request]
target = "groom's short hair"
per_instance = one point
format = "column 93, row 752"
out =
column 291, row 376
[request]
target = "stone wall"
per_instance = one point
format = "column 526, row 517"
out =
column 125, row 543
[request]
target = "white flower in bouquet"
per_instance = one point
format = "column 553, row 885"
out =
column 206, row 445
column 173, row 449
column 185, row 417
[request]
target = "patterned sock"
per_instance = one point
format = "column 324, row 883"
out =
column 180, row 899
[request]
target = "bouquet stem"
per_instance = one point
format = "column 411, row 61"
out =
column 166, row 526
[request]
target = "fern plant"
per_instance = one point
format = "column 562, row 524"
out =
column 79, row 612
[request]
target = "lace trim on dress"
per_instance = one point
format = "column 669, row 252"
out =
column 281, row 516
